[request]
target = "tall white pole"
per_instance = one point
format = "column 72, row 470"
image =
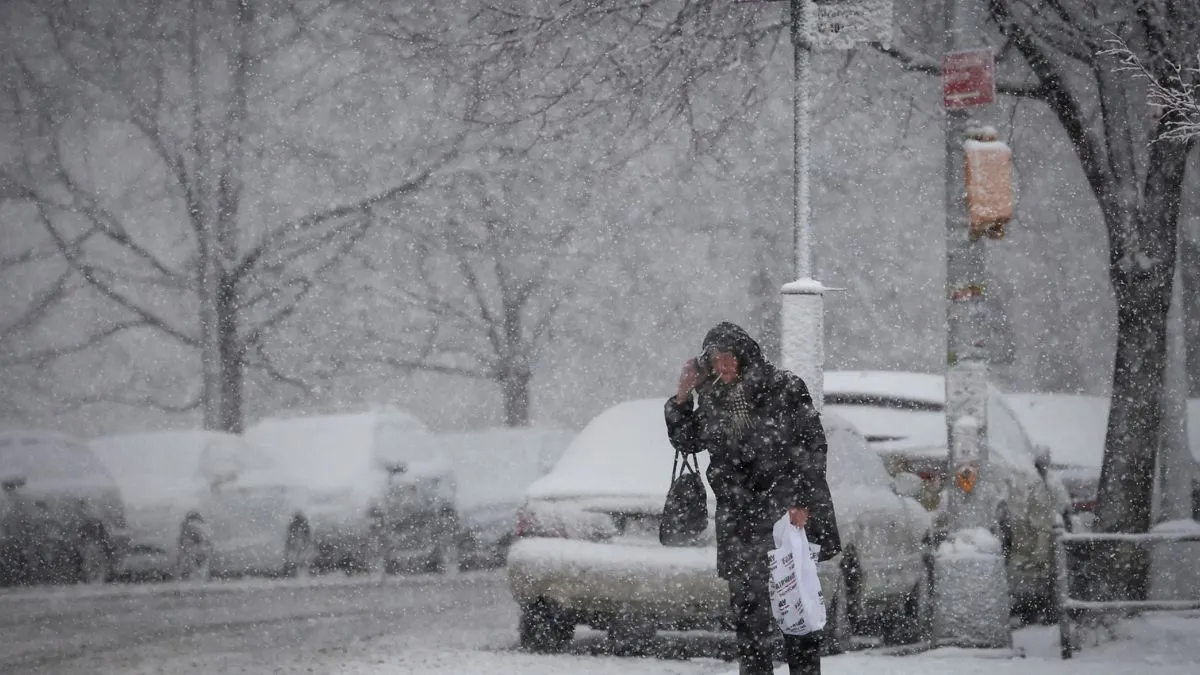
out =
column 802, row 324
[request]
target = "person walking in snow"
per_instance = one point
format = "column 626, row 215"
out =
column 767, row 453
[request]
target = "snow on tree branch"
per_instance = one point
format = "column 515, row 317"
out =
column 1176, row 97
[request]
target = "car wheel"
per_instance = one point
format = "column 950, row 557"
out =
column 297, row 549
column 837, row 632
column 93, row 557
column 543, row 628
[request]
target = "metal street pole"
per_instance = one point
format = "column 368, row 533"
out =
column 802, row 324
column 966, row 292
column 973, row 504
column 801, row 141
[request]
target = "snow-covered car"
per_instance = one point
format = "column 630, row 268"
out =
column 1072, row 428
column 588, row 552
column 373, row 505
column 902, row 416
column 205, row 503
column 493, row 468
column 63, row 518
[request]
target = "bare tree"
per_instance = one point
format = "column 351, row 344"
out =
column 477, row 277
column 1063, row 48
column 188, row 160
column 1052, row 51
column 1174, row 91
column 644, row 66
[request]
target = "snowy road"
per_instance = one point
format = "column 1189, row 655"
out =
column 323, row 625
column 456, row 625
column 162, row 628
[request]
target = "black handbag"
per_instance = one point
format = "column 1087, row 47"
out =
column 685, row 513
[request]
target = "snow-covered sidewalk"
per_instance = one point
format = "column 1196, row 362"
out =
column 1163, row 644
column 1158, row 644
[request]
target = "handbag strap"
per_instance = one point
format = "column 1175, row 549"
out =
column 676, row 471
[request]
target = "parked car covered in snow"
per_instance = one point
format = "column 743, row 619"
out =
column 62, row 515
column 492, row 468
column 1072, row 429
column 588, row 552
column 373, row 505
column 902, row 416
column 205, row 503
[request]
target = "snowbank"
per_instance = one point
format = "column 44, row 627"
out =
column 971, row 600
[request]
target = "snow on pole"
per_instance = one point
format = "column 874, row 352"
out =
column 802, row 308
column 971, row 590
column 803, row 334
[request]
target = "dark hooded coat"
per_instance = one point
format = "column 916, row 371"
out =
column 779, row 462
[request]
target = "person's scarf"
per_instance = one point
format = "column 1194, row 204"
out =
column 735, row 409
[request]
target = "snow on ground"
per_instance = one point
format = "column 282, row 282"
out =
column 462, row 624
column 433, row 662
column 1162, row 644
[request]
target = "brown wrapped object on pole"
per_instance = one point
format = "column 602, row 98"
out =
column 989, row 183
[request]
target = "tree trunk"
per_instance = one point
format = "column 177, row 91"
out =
column 1142, row 276
column 515, row 387
column 233, row 361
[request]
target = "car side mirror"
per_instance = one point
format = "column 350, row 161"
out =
column 12, row 482
column 908, row 485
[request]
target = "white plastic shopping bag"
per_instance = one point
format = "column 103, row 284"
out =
column 796, row 600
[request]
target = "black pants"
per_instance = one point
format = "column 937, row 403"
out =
column 756, row 630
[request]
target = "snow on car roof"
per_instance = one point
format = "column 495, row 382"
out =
column 624, row 453
column 923, row 387
column 1074, row 426
column 49, row 459
column 155, row 466
column 887, row 429
column 10, row 436
column 331, row 451
column 495, row 466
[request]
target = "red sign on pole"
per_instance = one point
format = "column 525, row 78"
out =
column 968, row 78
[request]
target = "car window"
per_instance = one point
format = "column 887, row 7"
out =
column 48, row 459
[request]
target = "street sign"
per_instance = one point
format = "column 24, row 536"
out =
column 968, row 78
column 846, row 24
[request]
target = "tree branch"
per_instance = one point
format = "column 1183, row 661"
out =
column 1062, row 102
column 918, row 62
column 42, row 357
